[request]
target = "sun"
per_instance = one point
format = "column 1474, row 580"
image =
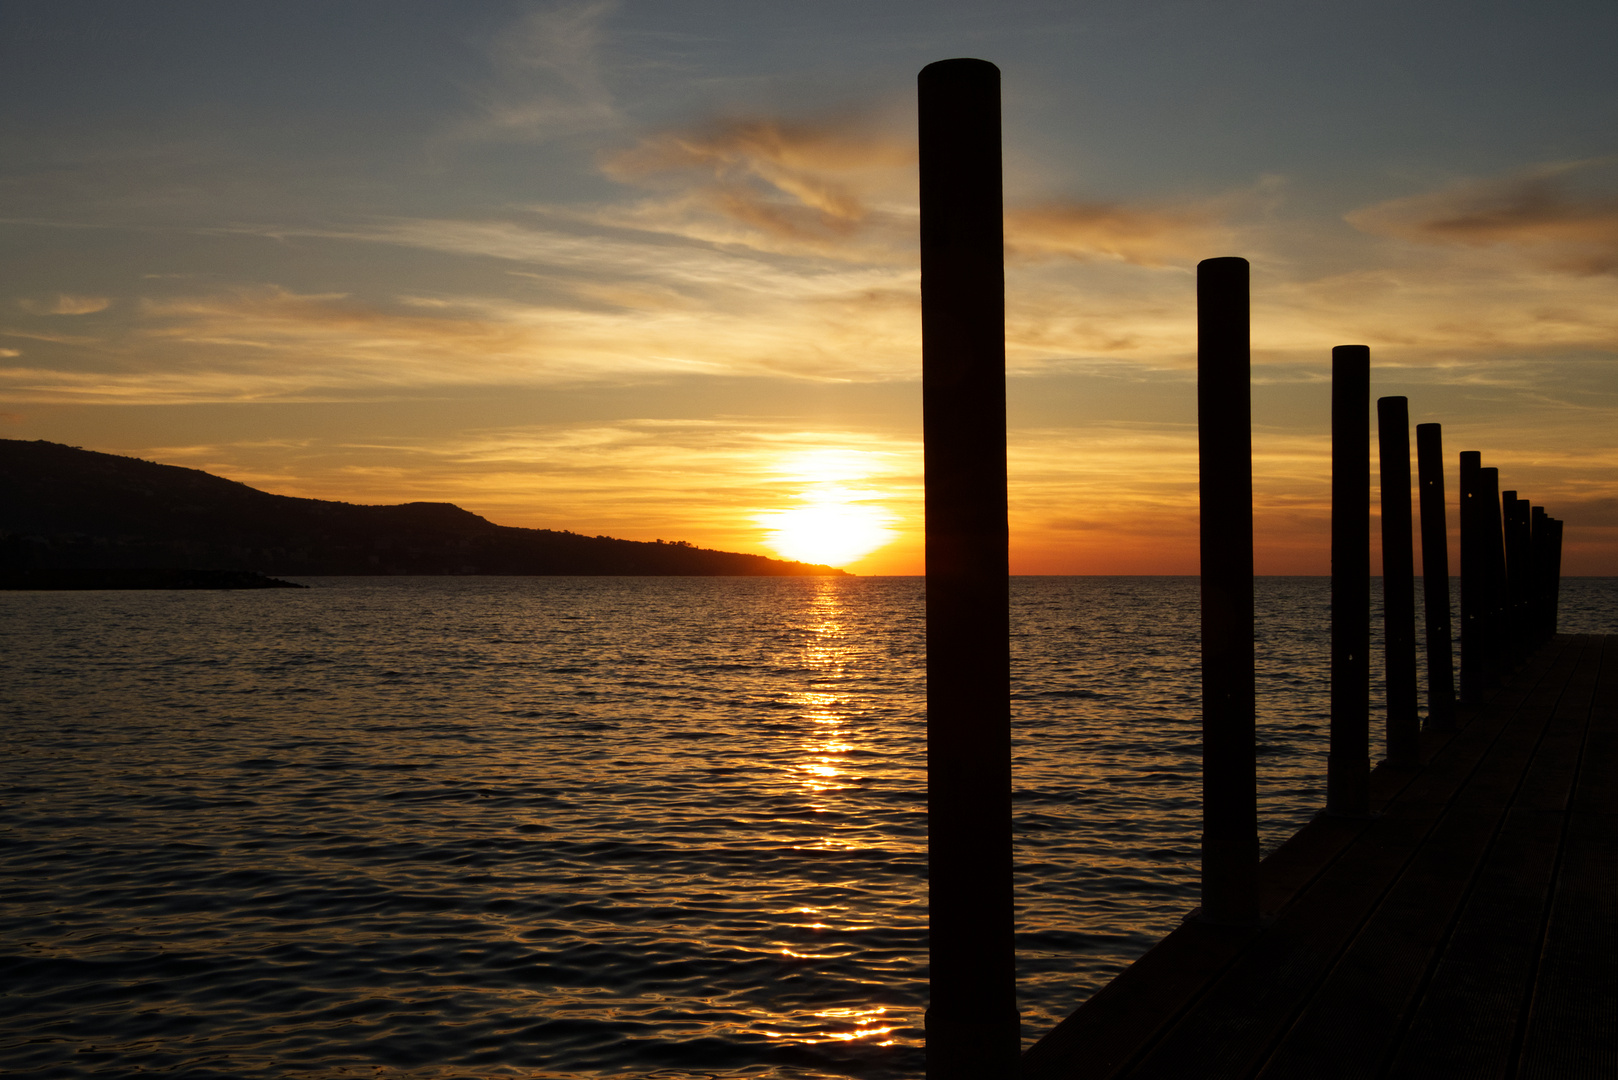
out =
column 833, row 528
column 838, row 516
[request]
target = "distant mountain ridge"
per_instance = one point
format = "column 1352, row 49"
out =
column 63, row 507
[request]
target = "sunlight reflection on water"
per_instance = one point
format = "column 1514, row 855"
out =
column 575, row 827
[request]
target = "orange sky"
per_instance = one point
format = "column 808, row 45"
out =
column 650, row 270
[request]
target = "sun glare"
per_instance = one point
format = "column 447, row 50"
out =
column 837, row 520
column 831, row 528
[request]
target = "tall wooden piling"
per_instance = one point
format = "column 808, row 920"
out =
column 972, row 1020
column 1555, row 574
column 1225, row 485
column 1539, row 546
column 1435, row 578
column 1495, row 627
column 1398, row 583
column 1519, row 573
column 1473, row 580
column 1348, row 760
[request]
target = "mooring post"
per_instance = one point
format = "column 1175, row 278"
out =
column 973, row 1030
column 1511, row 583
column 1519, row 573
column 1539, row 558
column 1556, row 571
column 1497, row 648
column 1225, row 486
column 1398, row 583
column 1435, row 578
column 1348, row 759
column 1473, row 583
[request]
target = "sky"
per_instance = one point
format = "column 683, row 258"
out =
column 649, row 268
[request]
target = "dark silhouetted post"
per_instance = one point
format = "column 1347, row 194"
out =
column 1435, row 578
column 972, row 1021
column 1519, row 573
column 1225, row 480
column 1555, row 571
column 1473, row 581
column 1509, row 580
column 1348, row 761
column 1398, row 583
column 1539, row 541
column 1494, row 573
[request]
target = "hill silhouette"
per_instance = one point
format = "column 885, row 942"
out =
column 63, row 508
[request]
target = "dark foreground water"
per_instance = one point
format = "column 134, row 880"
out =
column 564, row 827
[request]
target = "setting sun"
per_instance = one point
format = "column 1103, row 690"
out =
column 832, row 528
column 840, row 516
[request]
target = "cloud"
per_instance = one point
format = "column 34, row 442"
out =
column 1146, row 235
column 602, row 312
column 1545, row 211
column 1458, row 305
column 547, row 79
column 65, row 304
column 9, row 353
column 816, row 185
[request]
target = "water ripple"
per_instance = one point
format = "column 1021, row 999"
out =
column 432, row 828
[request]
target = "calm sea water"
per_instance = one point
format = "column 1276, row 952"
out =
column 579, row 827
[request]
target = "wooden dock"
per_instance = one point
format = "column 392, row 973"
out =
column 1467, row 929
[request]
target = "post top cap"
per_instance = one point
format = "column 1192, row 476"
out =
column 961, row 67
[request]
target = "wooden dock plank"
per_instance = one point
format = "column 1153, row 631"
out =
column 1597, row 789
column 1471, row 1011
column 1455, row 935
column 1346, row 1028
column 1257, row 999
column 1573, row 1021
column 1572, row 1030
column 1104, row 1037
column 1301, row 944
column 1349, row 1026
column 1468, row 1019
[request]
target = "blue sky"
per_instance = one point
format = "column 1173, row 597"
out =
column 649, row 269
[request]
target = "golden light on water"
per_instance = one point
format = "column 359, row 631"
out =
column 828, row 734
column 867, row 1023
column 821, row 767
column 835, row 522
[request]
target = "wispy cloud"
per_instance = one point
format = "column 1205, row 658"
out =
column 833, row 186
column 1458, row 306
column 1144, row 235
column 64, row 304
column 685, row 317
column 1564, row 215
column 546, row 77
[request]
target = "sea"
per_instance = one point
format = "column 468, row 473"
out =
column 582, row 827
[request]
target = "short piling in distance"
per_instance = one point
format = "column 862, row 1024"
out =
column 1225, row 482
column 1473, row 581
column 1509, row 582
column 1555, row 574
column 1435, row 578
column 1495, row 628
column 1519, row 573
column 973, row 1030
column 1539, row 541
column 1348, row 760
column 1398, row 583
